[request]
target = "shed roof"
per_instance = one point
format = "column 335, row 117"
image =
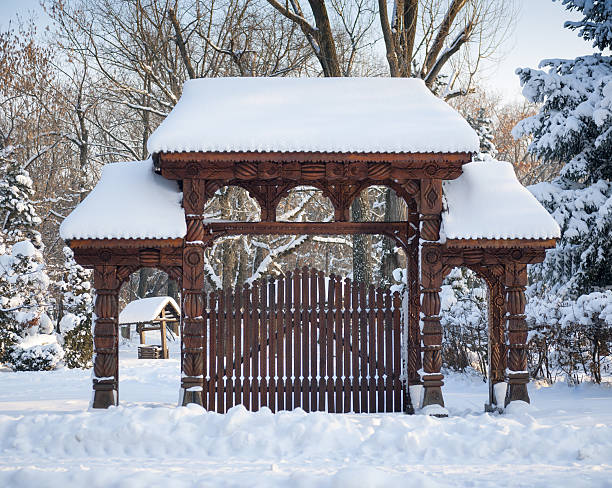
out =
column 129, row 202
column 146, row 309
column 357, row 115
column 488, row 202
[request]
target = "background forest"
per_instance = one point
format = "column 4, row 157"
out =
column 91, row 88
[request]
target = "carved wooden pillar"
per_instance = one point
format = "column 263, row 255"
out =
column 497, row 346
column 192, row 305
column 414, row 362
column 518, row 377
column 431, row 282
column 106, row 358
column 430, row 207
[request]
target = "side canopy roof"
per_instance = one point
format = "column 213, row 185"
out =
column 335, row 115
column 488, row 202
column 129, row 202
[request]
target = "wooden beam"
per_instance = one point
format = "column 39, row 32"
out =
column 124, row 243
column 501, row 243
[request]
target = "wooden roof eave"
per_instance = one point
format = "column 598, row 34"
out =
column 305, row 166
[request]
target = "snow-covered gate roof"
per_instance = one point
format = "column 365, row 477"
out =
column 356, row 115
column 488, row 202
column 129, row 202
column 146, row 309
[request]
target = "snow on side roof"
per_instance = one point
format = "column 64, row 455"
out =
column 129, row 202
column 145, row 309
column 488, row 202
column 365, row 115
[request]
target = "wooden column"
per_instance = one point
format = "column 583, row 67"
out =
column 414, row 362
column 430, row 206
column 496, row 345
column 518, row 376
column 192, row 305
column 431, row 282
column 106, row 358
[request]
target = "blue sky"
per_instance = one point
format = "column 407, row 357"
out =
column 539, row 34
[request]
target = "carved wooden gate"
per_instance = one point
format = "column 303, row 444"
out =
column 306, row 340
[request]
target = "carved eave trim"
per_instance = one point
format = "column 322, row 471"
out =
column 309, row 166
column 123, row 243
column 501, row 243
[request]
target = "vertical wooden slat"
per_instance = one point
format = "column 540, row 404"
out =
column 328, row 352
column 313, row 373
column 255, row 348
column 305, row 319
column 263, row 343
column 280, row 344
column 297, row 346
column 323, row 313
column 371, row 349
column 363, row 348
column 289, row 303
column 272, row 349
column 246, row 364
column 346, row 346
column 212, row 357
column 230, row 324
column 380, row 349
column 238, row 326
column 205, row 351
column 388, row 353
column 221, row 353
column 355, row 346
column 397, row 386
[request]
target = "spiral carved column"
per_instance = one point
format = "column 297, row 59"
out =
column 414, row 362
column 518, row 376
column 497, row 346
column 431, row 334
column 106, row 358
column 192, row 305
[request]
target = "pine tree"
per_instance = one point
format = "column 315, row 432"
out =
column 23, row 280
column 483, row 126
column 75, row 325
column 574, row 125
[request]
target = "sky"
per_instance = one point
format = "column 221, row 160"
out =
column 539, row 34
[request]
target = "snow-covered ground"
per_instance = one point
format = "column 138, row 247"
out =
column 49, row 438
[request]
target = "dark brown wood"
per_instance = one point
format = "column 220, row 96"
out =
column 255, row 345
column 263, row 343
column 281, row 323
column 380, row 350
column 239, row 314
column 248, row 345
column 221, row 353
column 354, row 346
column 213, row 384
column 230, row 334
column 313, row 373
column 397, row 386
column 297, row 343
column 346, row 346
column 371, row 326
column 388, row 352
column 272, row 345
column 305, row 317
column 363, row 348
column 322, row 340
column 331, row 330
column 289, row 332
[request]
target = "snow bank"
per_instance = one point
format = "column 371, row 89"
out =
column 488, row 202
column 367, row 115
column 145, row 309
column 129, row 202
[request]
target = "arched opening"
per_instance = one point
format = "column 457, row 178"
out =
column 149, row 336
column 232, row 203
column 305, row 204
column 464, row 316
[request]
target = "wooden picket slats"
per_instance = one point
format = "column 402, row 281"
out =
column 305, row 340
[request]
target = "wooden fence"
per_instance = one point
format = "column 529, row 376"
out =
column 306, row 341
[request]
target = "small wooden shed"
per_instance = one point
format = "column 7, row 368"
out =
column 151, row 314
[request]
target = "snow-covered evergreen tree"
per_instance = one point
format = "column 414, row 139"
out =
column 75, row 325
column 483, row 126
column 574, row 125
column 26, row 331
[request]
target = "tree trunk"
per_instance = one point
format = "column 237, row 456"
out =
column 362, row 244
column 394, row 212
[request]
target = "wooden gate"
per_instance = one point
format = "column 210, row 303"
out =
column 306, row 341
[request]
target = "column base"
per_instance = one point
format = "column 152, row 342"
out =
column 105, row 394
column 517, row 388
column 191, row 392
column 432, row 384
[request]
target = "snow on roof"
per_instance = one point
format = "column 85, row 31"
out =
column 129, row 202
column 488, row 202
column 145, row 309
column 366, row 115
